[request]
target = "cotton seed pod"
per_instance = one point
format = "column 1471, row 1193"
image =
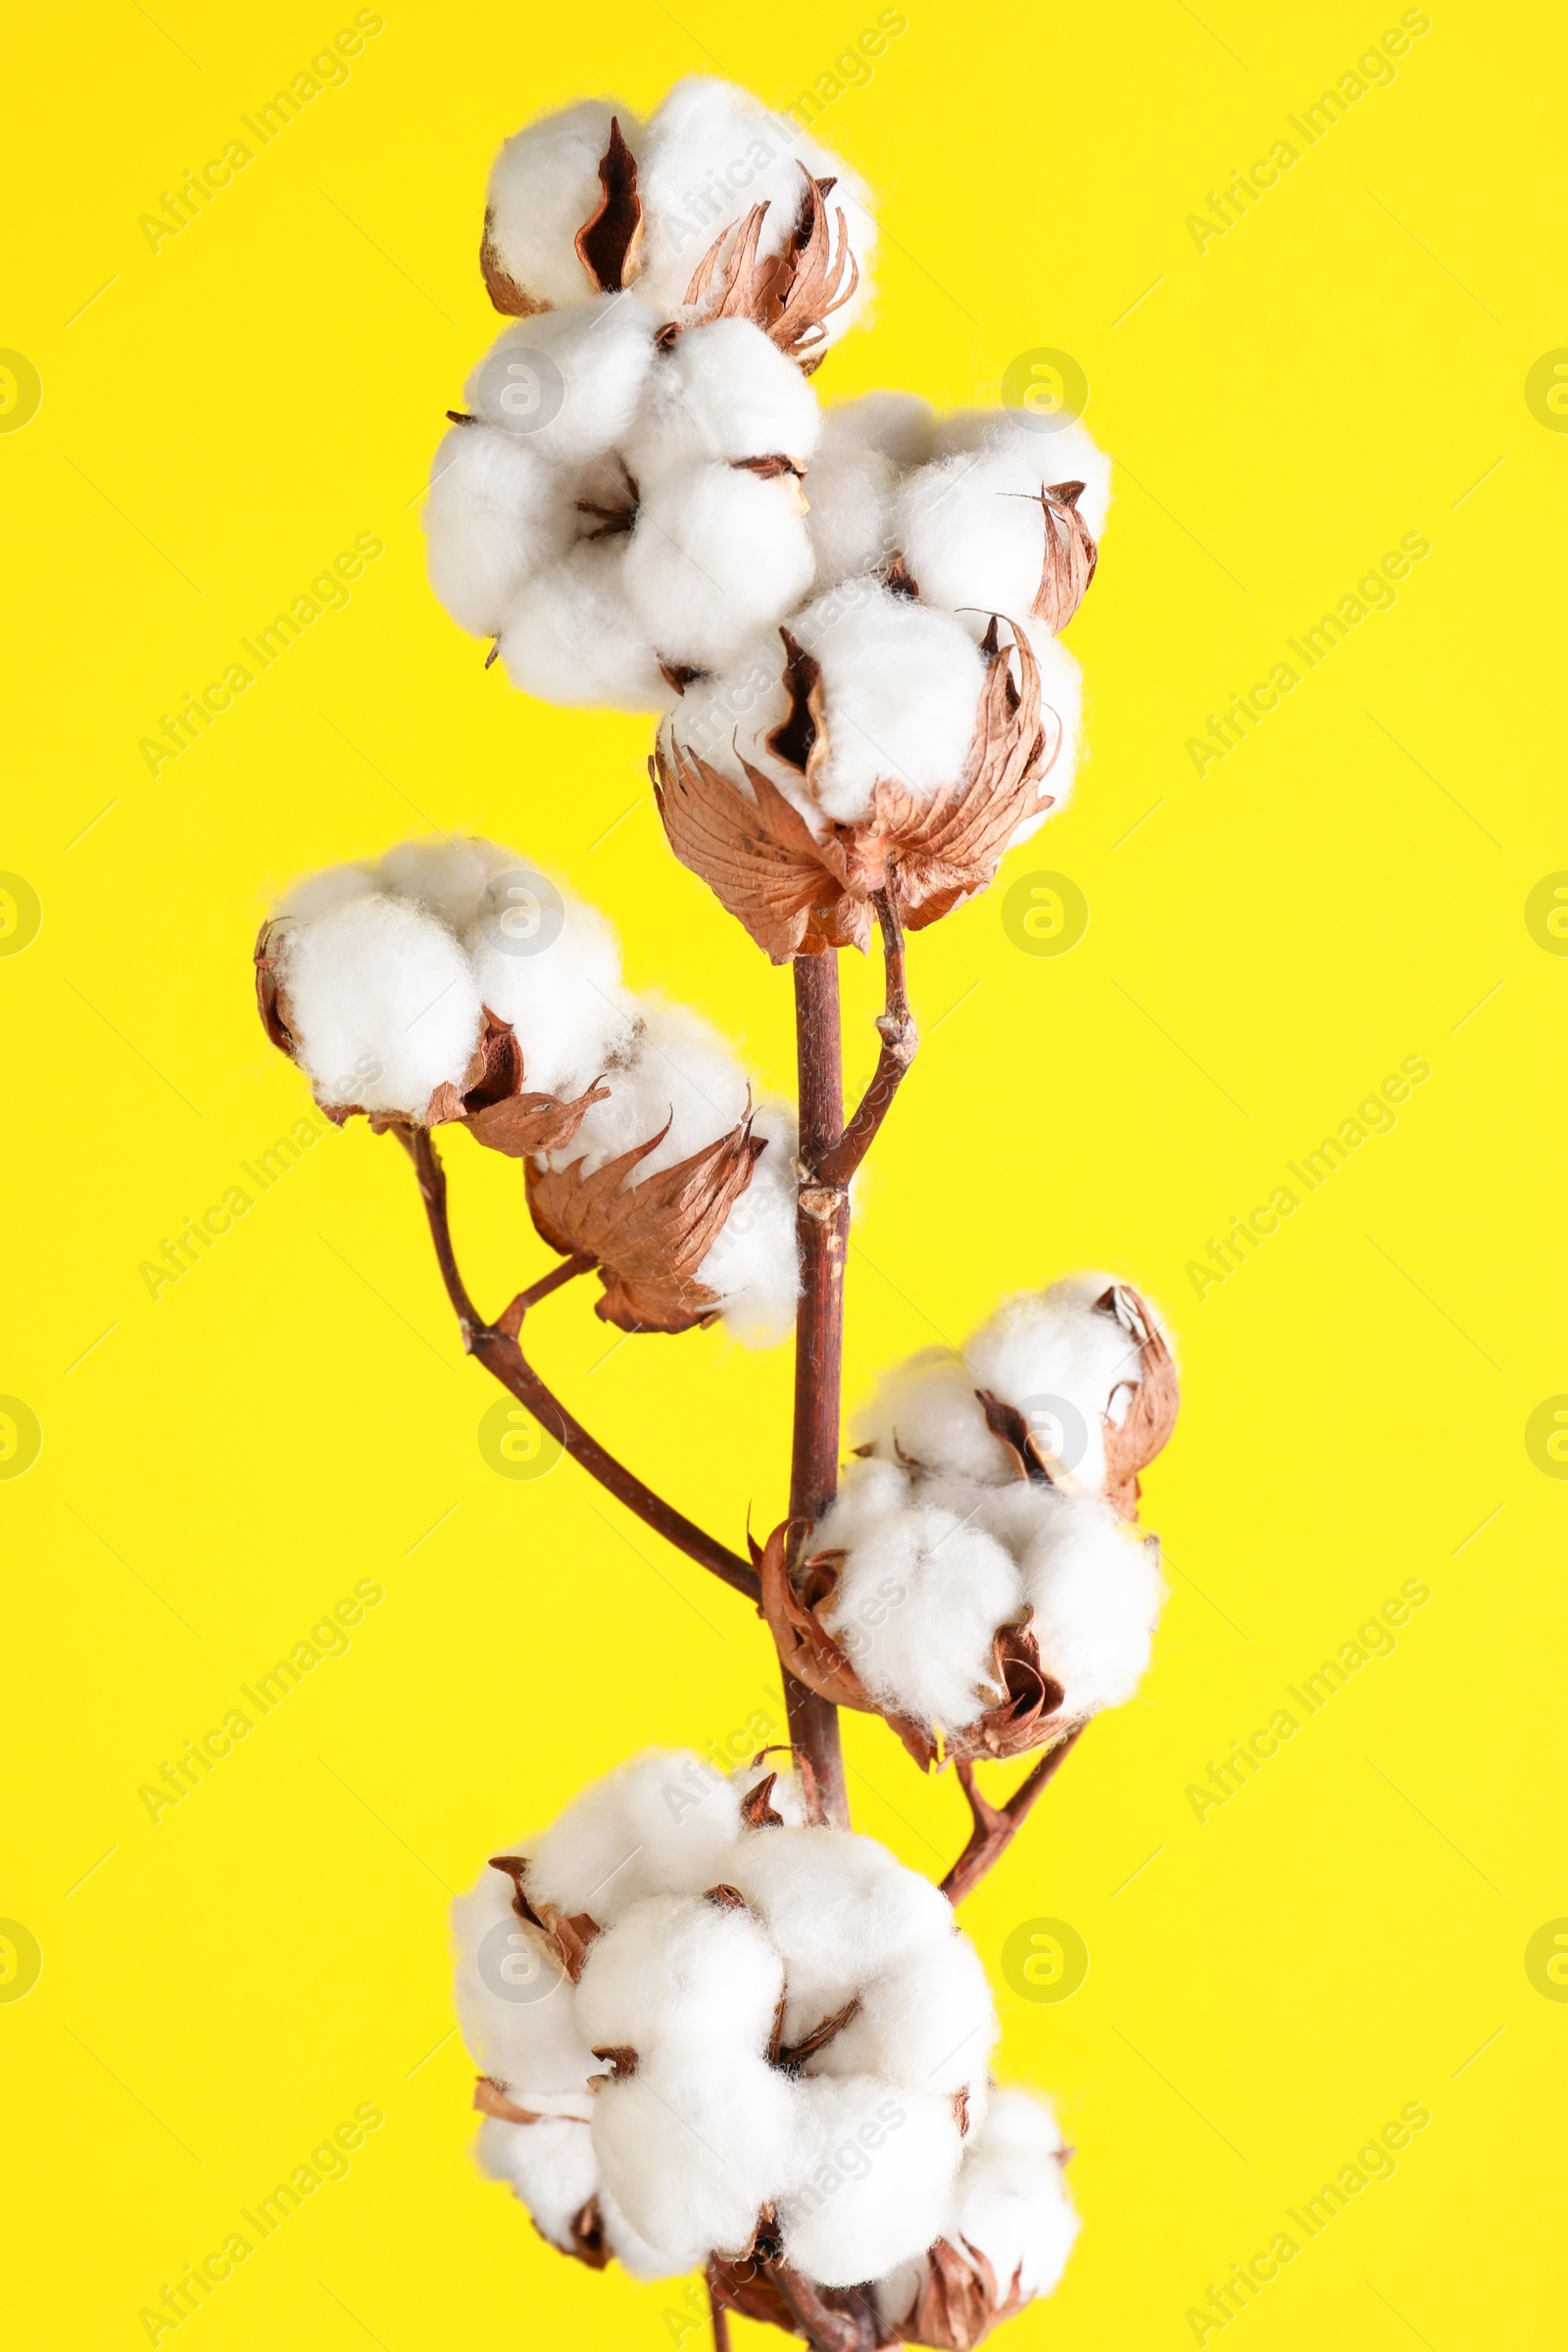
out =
column 798, row 892
column 562, row 217
column 648, row 1238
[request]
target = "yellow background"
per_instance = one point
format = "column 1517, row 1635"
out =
column 219, row 420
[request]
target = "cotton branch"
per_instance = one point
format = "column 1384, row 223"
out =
column 899, row 1042
column 494, row 1344
column 996, row 1826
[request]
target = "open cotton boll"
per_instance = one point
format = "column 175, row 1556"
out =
column 930, row 2022
column 382, row 1004
column 449, row 878
column 868, row 1490
column 551, row 2166
column 851, row 488
column 661, row 1824
column 1036, row 457
column 1096, row 1588
column 559, row 989
column 1062, row 1365
column 678, row 1976
column 1010, row 2204
column 875, row 2181
column 681, row 1073
column 544, row 187
column 972, row 530
column 754, row 1265
column 727, row 714
column 722, row 392
column 513, row 2001
column 496, row 513
column 691, row 2152
column 572, row 637
column 567, row 383
column 916, row 1609
column 716, row 554
column 901, row 689
column 839, row 1908
column 706, row 157
column 926, row 1412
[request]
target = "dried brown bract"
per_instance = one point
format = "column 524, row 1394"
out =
column 1069, row 560
column 491, row 1103
column 789, row 295
column 1153, row 1404
column 961, row 2300
column 648, row 1238
column 799, row 893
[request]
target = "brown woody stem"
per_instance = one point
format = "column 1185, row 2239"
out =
column 498, row 1350
column 996, row 1826
column 899, row 1039
column 827, row 2328
column 822, row 1225
column 721, row 2320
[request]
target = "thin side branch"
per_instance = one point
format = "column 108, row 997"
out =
column 996, row 1826
column 899, row 1039
column 496, row 1347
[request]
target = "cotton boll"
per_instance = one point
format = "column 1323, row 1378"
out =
column 722, row 392
column 851, row 489
column 514, row 2002
column 551, row 2166
column 1096, row 1588
column 709, row 154
column 972, row 527
column 633, row 2252
column 716, row 554
column 929, row 2023
column 544, row 188
column 663, row 1824
column 449, row 878
column 567, row 383
column 868, row 1490
column 727, row 714
column 1063, row 1364
column 875, row 2179
column 900, row 688
column 496, row 513
column 572, row 637
column 916, row 1609
column 926, row 1412
column 692, row 2152
column 839, row 1908
column 754, row 1265
column 679, row 1977
column 682, row 1075
column 564, row 997
column 1011, row 2202
column 382, row 1004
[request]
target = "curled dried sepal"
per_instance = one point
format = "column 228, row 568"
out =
column 789, row 295
column 1152, row 1406
column 570, row 1935
column 649, row 1239
column 1025, row 1714
column 492, row 2097
column 490, row 1103
column 961, row 2300
column 1069, row 558
column 797, row 894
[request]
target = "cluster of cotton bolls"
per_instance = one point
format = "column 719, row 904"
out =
column 992, row 1489
column 393, row 985
column 621, row 504
column 721, row 2019
column 643, row 491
